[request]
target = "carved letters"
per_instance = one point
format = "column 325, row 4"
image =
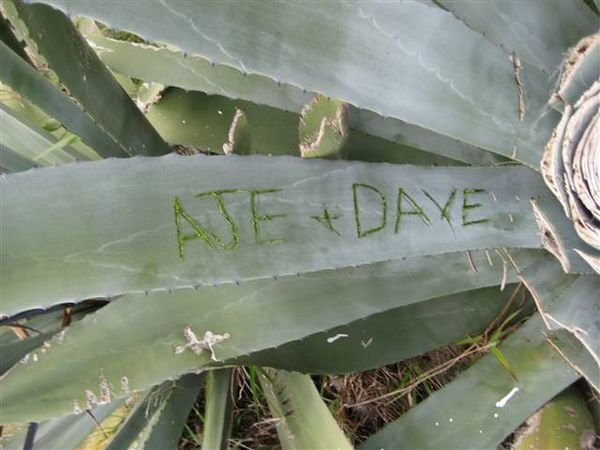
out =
column 406, row 206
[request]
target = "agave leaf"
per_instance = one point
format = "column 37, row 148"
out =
column 239, row 136
column 89, row 81
column 478, row 105
column 32, row 143
column 370, row 342
column 19, row 340
column 164, row 431
column 197, row 73
column 560, row 238
column 416, row 137
column 579, row 71
column 570, row 155
column 12, row 161
column 193, row 72
column 218, row 410
column 193, row 118
column 323, row 128
column 157, row 421
column 22, row 108
column 171, row 232
column 24, row 79
column 65, row 432
column 594, row 407
column 538, row 32
column 157, row 327
column 147, row 94
column 303, row 419
column 14, row 352
column 8, row 37
column 497, row 404
column 140, row 415
column 46, row 321
column 564, row 422
column 581, row 359
column 570, row 304
column 363, row 147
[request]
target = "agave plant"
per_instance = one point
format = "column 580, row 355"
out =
column 450, row 152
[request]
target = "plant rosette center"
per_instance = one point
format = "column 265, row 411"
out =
column 571, row 161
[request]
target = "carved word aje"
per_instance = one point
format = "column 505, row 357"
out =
column 404, row 206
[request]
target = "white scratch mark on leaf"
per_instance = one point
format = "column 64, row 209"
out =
column 332, row 339
column 504, row 400
column 366, row 344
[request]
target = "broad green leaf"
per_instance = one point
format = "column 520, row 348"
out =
column 8, row 37
column 191, row 72
column 564, row 422
column 65, row 432
column 579, row 72
column 12, row 161
column 25, row 80
column 193, row 118
column 580, row 358
column 139, row 417
column 48, row 320
column 323, row 128
column 165, row 429
column 371, row 55
column 218, row 410
column 148, row 224
column 570, row 304
column 14, row 352
column 194, row 72
column 593, row 404
column 416, row 137
column 239, row 137
column 559, row 236
column 484, row 404
column 303, row 419
column 537, row 32
column 155, row 334
column 390, row 336
column 32, row 142
column 157, row 420
column 39, row 328
column 89, row 81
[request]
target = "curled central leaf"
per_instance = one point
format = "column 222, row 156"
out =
column 571, row 161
